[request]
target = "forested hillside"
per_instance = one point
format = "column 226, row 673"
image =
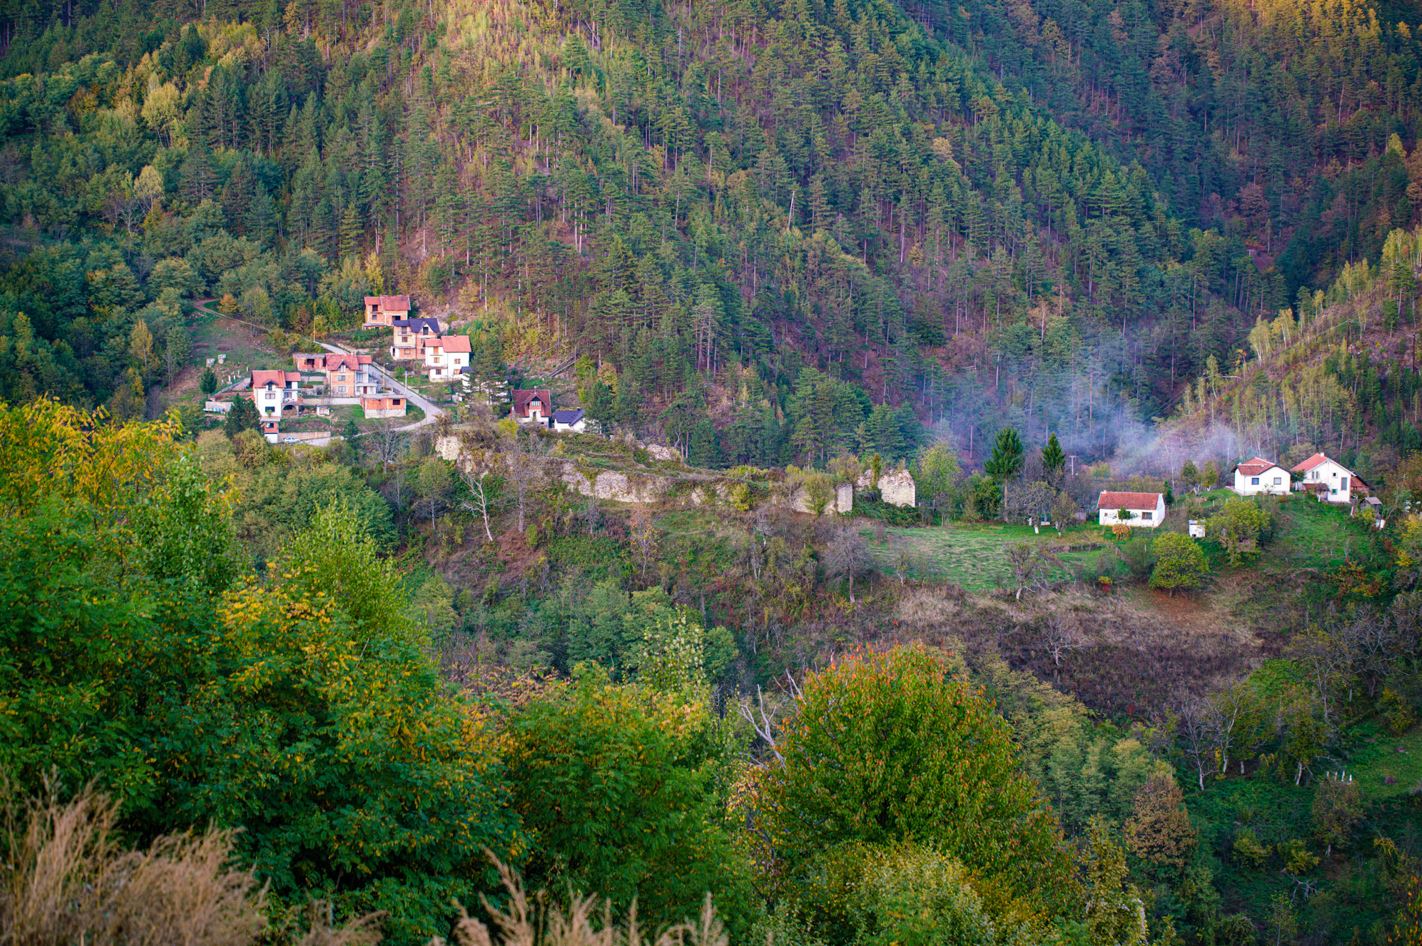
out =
column 773, row 216
column 1338, row 372
column 1282, row 123
column 799, row 512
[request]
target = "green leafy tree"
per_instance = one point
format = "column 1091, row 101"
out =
column 890, row 747
column 1239, row 527
column 207, row 382
column 617, row 786
column 937, row 480
column 1179, row 563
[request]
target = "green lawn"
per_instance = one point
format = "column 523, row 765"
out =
column 974, row 555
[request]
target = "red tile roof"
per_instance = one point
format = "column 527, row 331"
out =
column 1310, row 463
column 522, row 396
column 389, row 303
column 335, row 362
column 454, row 343
column 280, row 378
column 1113, row 500
column 1256, row 466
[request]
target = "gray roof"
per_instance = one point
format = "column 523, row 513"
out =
column 418, row 323
column 568, row 416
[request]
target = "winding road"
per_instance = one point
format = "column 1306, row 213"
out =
column 432, row 411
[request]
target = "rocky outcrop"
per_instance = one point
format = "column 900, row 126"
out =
column 897, row 489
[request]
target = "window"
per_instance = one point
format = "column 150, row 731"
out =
column 1278, row 480
column 1254, row 481
column 1147, row 516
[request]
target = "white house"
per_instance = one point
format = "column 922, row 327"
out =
column 276, row 393
column 1261, row 476
column 1330, row 480
column 569, row 420
column 1142, row 510
column 447, row 357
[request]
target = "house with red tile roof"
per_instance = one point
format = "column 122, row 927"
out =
column 1137, row 510
column 1329, row 480
column 447, row 357
column 384, row 310
column 344, row 375
column 1259, row 476
column 532, row 406
column 277, row 394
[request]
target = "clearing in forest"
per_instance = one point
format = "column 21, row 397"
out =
column 973, row 556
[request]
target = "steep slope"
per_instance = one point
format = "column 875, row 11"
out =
column 1338, row 373
column 781, row 228
column 1283, row 122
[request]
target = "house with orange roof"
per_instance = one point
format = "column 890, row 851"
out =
column 447, row 357
column 277, row 394
column 344, row 375
column 1137, row 510
column 384, row 310
column 1259, row 476
column 1329, row 480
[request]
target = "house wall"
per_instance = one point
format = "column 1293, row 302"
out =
column 1274, row 481
column 1339, row 479
column 1138, row 520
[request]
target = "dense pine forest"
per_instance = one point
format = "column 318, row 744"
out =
column 693, row 670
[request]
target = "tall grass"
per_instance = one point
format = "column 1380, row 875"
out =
column 66, row 878
column 584, row 921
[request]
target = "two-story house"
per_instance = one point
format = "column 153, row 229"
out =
column 1330, row 480
column 410, row 338
column 276, row 394
column 343, row 375
column 532, row 406
column 446, row 357
column 384, row 310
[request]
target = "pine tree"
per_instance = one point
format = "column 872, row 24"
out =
column 1053, row 459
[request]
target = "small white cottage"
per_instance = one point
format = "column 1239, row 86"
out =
column 1261, row 477
column 1137, row 510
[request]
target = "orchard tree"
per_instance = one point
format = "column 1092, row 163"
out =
column 1179, row 563
column 1239, row 527
column 936, row 478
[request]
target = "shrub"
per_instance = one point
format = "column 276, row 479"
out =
column 1249, row 850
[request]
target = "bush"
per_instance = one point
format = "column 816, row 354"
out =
column 1249, row 850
